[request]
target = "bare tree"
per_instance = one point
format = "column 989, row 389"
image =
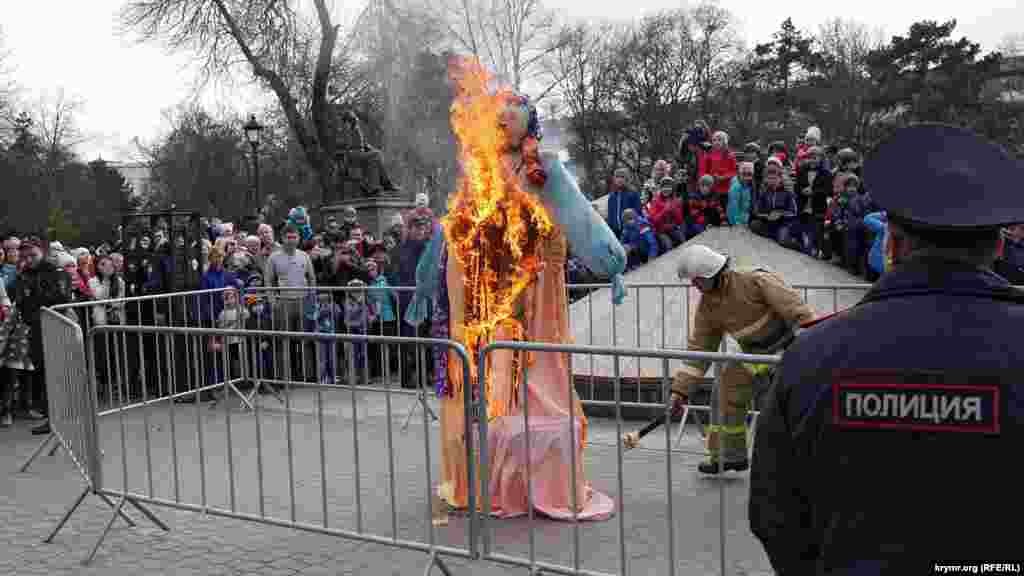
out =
column 586, row 66
column 1012, row 45
column 274, row 40
column 513, row 37
column 841, row 88
column 7, row 91
column 717, row 43
column 658, row 72
column 56, row 122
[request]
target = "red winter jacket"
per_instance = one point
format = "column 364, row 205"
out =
column 720, row 163
column 698, row 206
column 665, row 214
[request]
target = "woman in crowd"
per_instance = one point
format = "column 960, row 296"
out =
column 107, row 286
column 720, row 164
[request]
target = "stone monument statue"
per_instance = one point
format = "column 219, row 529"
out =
column 362, row 183
column 360, row 171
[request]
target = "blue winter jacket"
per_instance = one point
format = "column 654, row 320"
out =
column 876, row 222
column 619, row 202
column 210, row 305
column 8, row 272
column 779, row 199
column 641, row 234
column 740, row 196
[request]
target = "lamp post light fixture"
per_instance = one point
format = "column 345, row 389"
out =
column 252, row 130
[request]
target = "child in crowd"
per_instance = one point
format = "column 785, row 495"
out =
column 814, row 184
column 775, row 212
column 357, row 321
column 705, row 208
column 321, row 315
column 382, row 302
column 861, row 204
column 260, row 350
column 227, row 350
column 741, row 193
column 638, row 239
column 778, row 151
column 647, row 194
column 752, row 153
column 836, row 221
column 665, row 214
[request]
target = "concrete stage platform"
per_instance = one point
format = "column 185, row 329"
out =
column 653, row 316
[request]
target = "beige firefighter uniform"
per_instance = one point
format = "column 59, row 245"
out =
column 761, row 312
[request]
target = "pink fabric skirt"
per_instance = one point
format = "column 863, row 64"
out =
column 549, row 463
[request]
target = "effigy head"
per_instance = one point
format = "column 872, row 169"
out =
column 519, row 120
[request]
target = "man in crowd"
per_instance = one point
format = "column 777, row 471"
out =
column 762, row 313
column 40, row 284
column 408, row 255
column 873, row 443
column 290, row 268
column 620, row 199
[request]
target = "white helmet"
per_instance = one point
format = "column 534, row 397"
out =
column 699, row 261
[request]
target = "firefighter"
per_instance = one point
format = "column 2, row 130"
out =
column 884, row 445
column 762, row 313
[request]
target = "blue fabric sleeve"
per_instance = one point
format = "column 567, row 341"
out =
column 745, row 200
column 874, row 222
column 427, row 273
column 589, row 236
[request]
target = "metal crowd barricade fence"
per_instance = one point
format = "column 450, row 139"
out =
column 155, row 361
column 654, row 315
column 72, row 415
column 163, row 350
column 173, row 456
column 574, row 565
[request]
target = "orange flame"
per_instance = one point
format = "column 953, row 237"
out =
column 493, row 225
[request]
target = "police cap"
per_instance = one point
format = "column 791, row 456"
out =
column 943, row 177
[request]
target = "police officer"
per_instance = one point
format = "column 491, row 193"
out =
column 883, row 444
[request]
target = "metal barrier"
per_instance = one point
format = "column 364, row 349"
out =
column 174, row 363
column 72, row 416
column 173, row 456
column 654, row 316
column 574, row 567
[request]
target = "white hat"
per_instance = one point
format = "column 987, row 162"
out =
column 813, row 132
column 64, row 259
column 397, row 220
column 56, row 246
column 699, row 261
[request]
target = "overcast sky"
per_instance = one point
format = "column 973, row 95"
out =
column 75, row 45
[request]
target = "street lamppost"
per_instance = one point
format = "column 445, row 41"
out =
column 252, row 135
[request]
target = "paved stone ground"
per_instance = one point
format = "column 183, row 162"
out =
column 31, row 503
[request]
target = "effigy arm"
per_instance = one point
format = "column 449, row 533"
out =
column 589, row 236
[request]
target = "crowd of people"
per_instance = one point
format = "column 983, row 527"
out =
column 342, row 280
column 346, row 281
column 814, row 200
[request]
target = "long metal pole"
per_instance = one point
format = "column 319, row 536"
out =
column 255, row 196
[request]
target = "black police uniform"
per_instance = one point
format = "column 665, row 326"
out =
column 889, row 441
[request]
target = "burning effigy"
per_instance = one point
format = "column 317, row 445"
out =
column 495, row 271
